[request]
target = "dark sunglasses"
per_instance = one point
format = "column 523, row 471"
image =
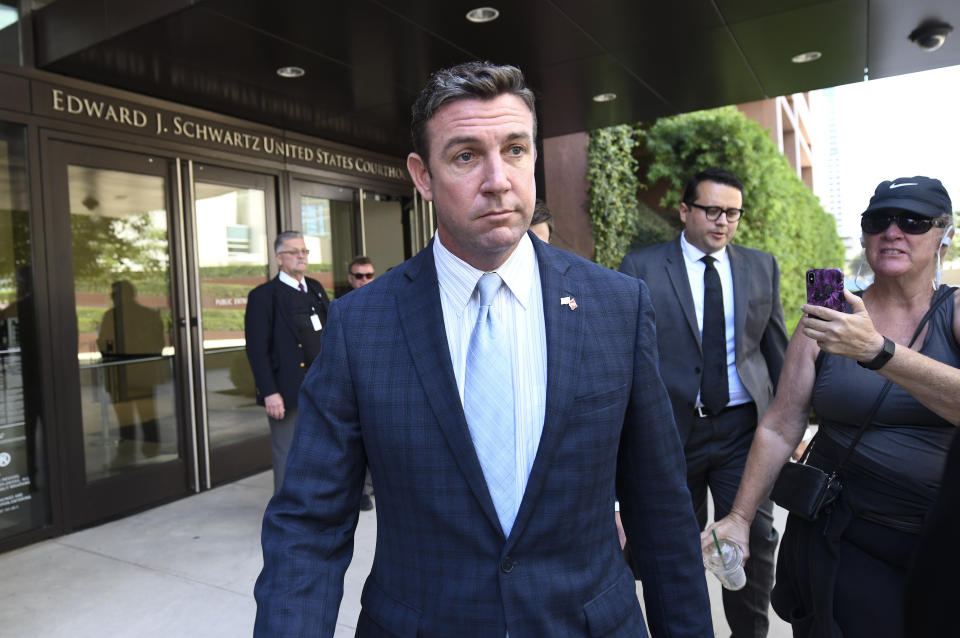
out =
column 362, row 275
column 873, row 224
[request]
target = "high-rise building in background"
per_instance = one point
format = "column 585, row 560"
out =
column 828, row 182
column 827, row 174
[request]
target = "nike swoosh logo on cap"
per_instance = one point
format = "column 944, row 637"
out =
column 892, row 186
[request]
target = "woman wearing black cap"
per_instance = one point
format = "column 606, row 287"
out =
column 843, row 574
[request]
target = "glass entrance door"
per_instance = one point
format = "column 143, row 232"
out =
column 328, row 221
column 155, row 395
column 234, row 220
column 386, row 234
column 119, row 353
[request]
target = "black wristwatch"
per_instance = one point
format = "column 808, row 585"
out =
column 886, row 353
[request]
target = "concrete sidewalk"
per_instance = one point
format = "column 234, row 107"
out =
column 183, row 569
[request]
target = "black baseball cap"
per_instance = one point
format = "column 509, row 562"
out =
column 924, row 196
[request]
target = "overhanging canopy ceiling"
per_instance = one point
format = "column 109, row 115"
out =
column 365, row 60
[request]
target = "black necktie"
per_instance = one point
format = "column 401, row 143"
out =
column 714, row 391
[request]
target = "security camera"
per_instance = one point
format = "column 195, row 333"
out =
column 931, row 35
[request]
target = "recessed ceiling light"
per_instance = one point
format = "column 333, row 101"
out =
column 482, row 14
column 809, row 56
column 604, row 97
column 291, row 72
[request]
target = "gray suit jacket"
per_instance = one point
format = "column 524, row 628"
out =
column 761, row 337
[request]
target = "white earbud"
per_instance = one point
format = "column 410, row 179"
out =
column 945, row 241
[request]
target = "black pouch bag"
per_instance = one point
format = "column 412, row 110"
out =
column 805, row 490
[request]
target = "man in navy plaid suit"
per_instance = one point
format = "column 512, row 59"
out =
column 592, row 421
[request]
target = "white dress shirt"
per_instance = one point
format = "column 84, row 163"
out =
column 695, row 269
column 519, row 306
column 291, row 281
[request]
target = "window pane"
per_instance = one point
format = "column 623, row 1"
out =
column 121, row 268
column 24, row 491
column 233, row 256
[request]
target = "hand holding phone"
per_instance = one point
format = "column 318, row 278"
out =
column 825, row 288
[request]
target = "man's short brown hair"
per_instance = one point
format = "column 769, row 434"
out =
column 542, row 215
column 359, row 260
column 479, row 80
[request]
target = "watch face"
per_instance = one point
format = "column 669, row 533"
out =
column 886, row 353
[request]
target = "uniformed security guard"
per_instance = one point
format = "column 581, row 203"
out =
column 283, row 323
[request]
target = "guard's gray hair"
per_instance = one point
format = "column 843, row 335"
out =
column 284, row 236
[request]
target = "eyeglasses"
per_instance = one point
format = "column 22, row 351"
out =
column 305, row 252
column 362, row 275
column 713, row 212
column 874, row 224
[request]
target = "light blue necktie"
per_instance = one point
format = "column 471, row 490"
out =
column 488, row 404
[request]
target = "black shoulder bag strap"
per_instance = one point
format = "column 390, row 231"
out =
column 938, row 300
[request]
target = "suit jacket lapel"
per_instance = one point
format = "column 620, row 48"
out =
column 677, row 274
column 421, row 318
column 280, row 307
column 739, row 271
column 564, row 329
column 315, row 289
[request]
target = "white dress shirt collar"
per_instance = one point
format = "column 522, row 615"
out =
column 290, row 281
column 694, row 254
column 459, row 279
column 695, row 270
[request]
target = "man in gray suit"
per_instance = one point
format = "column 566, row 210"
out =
column 722, row 341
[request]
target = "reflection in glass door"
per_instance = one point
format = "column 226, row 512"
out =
column 384, row 229
column 122, row 290
column 117, row 356
column 234, row 215
column 329, row 226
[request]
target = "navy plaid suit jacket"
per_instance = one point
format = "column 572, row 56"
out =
column 383, row 393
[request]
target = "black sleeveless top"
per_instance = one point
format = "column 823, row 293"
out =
column 896, row 467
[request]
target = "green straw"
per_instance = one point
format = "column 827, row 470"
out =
column 719, row 553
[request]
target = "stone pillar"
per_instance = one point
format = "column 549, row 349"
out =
column 565, row 177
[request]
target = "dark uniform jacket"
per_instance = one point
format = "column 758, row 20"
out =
column 281, row 343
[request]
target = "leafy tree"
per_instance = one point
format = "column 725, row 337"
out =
column 106, row 249
column 14, row 250
column 953, row 252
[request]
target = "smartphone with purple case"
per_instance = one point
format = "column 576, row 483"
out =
column 825, row 288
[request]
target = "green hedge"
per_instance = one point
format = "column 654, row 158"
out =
column 782, row 216
column 612, row 175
